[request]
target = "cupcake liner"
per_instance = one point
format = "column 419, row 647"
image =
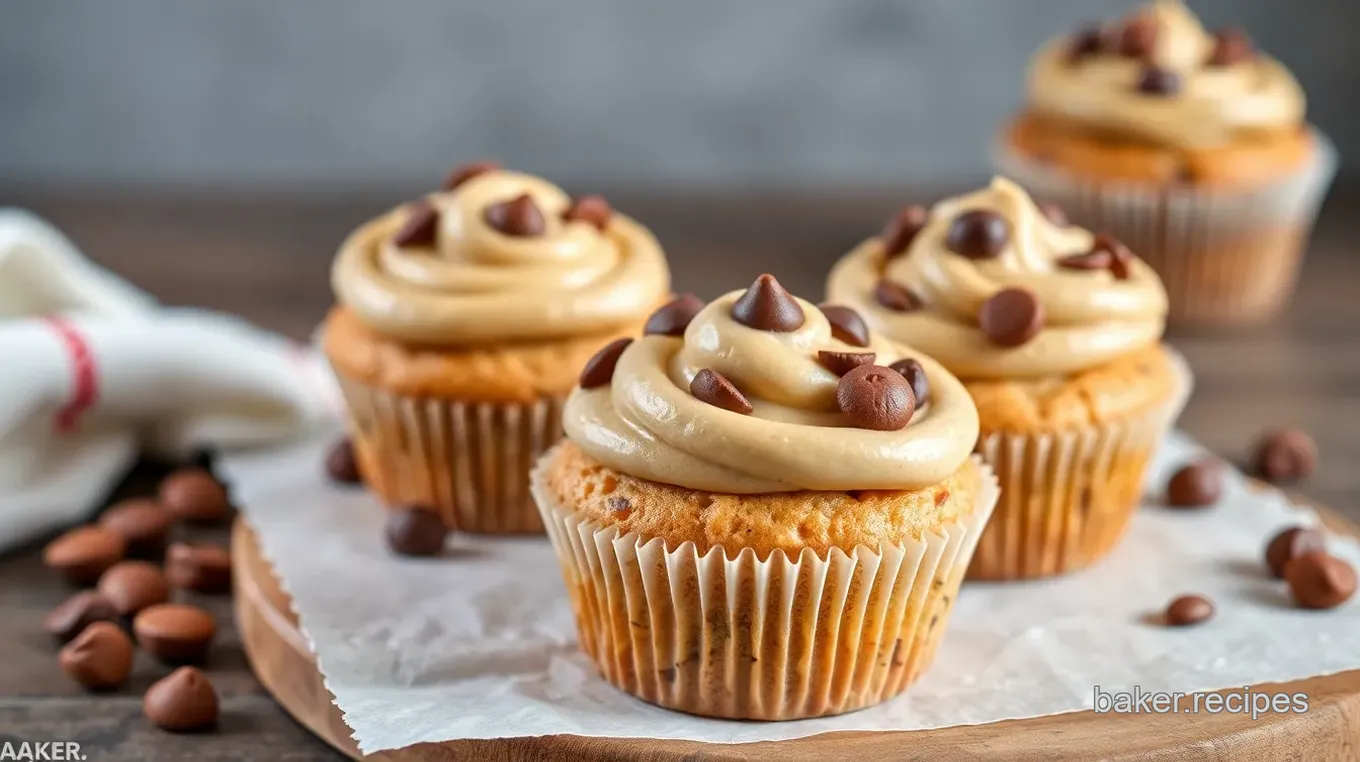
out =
column 745, row 638
column 1225, row 256
column 469, row 461
column 1068, row 496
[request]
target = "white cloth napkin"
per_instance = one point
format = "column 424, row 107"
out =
column 93, row 371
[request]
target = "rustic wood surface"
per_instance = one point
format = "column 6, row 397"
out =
column 265, row 256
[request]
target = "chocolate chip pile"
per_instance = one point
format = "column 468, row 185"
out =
column 1136, row 38
column 134, row 566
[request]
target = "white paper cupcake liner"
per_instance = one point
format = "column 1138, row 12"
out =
column 773, row 639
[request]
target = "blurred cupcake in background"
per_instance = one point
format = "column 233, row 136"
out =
column 1189, row 146
column 463, row 320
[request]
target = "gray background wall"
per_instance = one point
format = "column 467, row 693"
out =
column 377, row 92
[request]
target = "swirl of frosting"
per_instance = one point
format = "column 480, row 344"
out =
column 474, row 278
column 1090, row 315
column 1200, row 98
column 645, row 422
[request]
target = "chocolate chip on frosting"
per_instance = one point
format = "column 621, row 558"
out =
column 1121, row 259
column 421, row 227
column 915, row 375
column 518, row 217
column 1138, row 37
column 978, row 234
column 1011, row 317
column 846, row 324
column 712, row 387
column 594, row 209
column 468, row 171
column 841, row 363
column 874, row 397
column 1158, row 81
column 896, row 297
column 898, row 234
column 599, row 369
column 674, row 316
column 766, row 306
column 1231, row 46
column 1086, row 42
column 1091, row 260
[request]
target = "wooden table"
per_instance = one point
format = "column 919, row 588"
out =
column 266, row 256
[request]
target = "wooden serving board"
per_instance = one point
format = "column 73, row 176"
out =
column 1328, row 732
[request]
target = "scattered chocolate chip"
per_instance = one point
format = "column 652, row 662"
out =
column 874, row 397
column 133, row 585
column 1195, row 485
column 846, row 324
column 766, row 306
column 175, row 633
column 415, row 531
column 841, row 363
column 519, row 217
column 143, row 524
column 1121, row 259
column 195, row 496
column 978, row 234
column 78, row 612
column 1086, row 42
column 421, row 228
column 468, row 171
column 1011, row 317
column 915, row 375
column 619, row 503
column 1054, row 214
column 674, row 316
column 202, row 568
column 1290, row 544
column 896, row 297
column 1187, row 610
column 99, row 658
column 341, row 464
column 1285, row 455
column 182, row 701
column 594, row 209
column 1231, row 46
column 1158, row 81
column 1319, row 581
column 713, row 388
column 84, row 553
column 898, row 234
column 1138, row 37
column 599, row 370
column 1091, row 260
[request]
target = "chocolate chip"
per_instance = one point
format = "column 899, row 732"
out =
column 978, row 234
column 193, row 495
column 1319, row 581
column 421, row 227
column 712, row 387
column 896, row 297
column 1091, row 260
column 1187, row 610
column 468, row 171
column 841, row 363
column 99, row 658
column 846, row 324
column 1285, row 455
column 415, row 531
column 143, row 524
column 1121, row 259
column 599, row 370
column 766, row 306
column 175, row 633
column 78, row 612
column 134, row 585
column 1086, row 42
column 1138, row 37
column 203, row 568
column 1290, row 544
column 341, row 464
column 1054, row 214
column 619, row 503
column 874, row 397
column 901, row 230
column 1231, row 46
column 1158, row 81
column 181, row 702
column 674, row 316
column 84, row 553
column 1011, row 317
column 519, row 217
column 915, row 375
column 1195, row 485
column 594, row 209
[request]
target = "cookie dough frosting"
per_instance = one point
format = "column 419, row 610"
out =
column 760, row 392
column 1159, row 76
column 500, row 256
column 992, row 287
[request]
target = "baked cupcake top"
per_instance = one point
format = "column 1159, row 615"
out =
column 996, row 287
column 1159, row 76
column 762, row 392
column 499, row 256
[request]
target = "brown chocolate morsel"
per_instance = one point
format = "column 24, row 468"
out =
column 202, row 568
column 421, row 229
column 1121, row 259
column 1195, row 485
column 674, row 316
column 1319, row 580
column 415, row 531
column 1054, row 214
column 84, row 553
column 99, row 658
column 841, row 363
column 599, row 370
column 1290, row 544
column 141, row 522
column 766, row 306
column 466, row 172
column 1231, row 46
column 1011, row 317
column 1138, row 37
column 713, row 388
column 195, row 496
column 593, row 208
column 915, row 375
column 182, row 701
column 1188, row 609
column 133, row 585
column 846, row 324
column 1158, row 81
column 1285, row 455
column 175, row 633
column 1085, row 42
column 519, row 217
column 901, row 230
column 896, row 297
column 874, row 397
column 978, row 234
column 341, row 464
column 1091, row 260
column 78, row 612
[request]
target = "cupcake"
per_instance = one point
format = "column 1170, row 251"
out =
column 1191, row 147
column 462, row 321
column 763, row 511
column 1055, row 332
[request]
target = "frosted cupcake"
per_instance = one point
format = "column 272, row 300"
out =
column 462, row 321
column 762, row 510
column 1055, row 332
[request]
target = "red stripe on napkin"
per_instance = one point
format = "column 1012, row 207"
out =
column 84, row 382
